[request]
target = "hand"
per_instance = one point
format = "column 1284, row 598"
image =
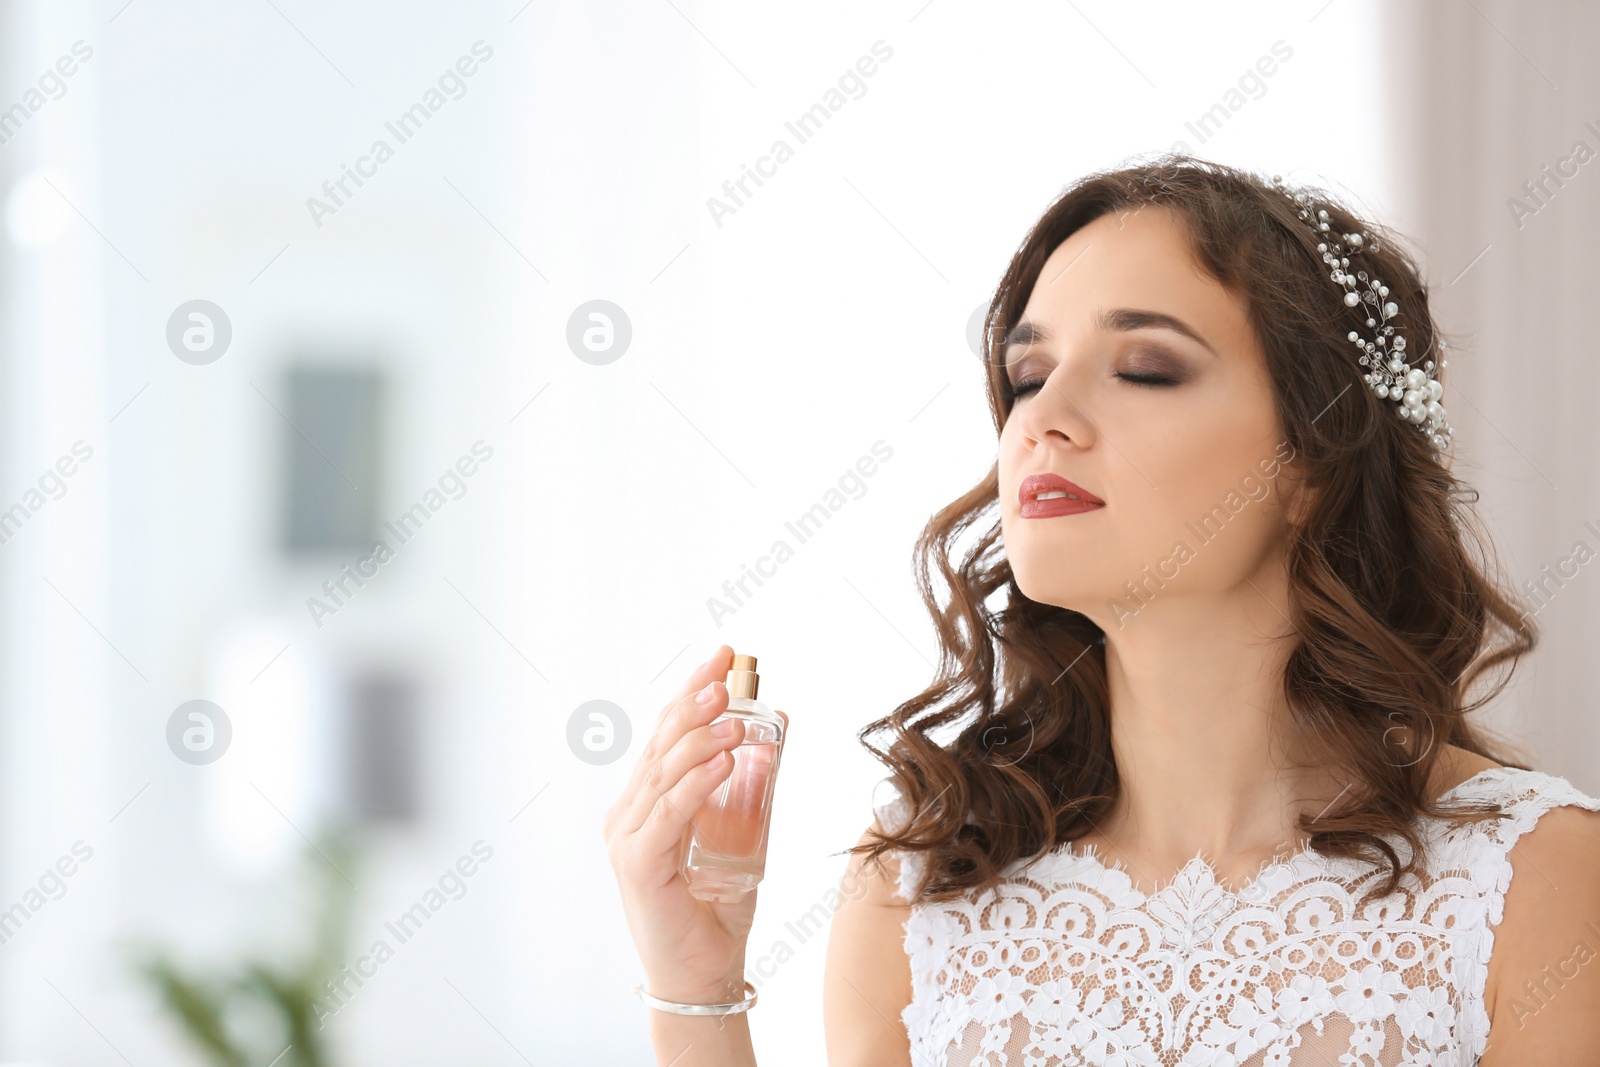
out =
column 692, row 949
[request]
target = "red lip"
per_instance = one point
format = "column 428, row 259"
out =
column 1033, row 508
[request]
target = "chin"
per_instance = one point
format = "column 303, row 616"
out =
column 1047, row 592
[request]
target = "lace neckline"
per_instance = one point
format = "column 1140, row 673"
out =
column 1200, row 870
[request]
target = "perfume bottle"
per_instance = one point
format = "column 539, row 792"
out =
column 725, row 851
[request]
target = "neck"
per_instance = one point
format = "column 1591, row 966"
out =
column 1202, row 739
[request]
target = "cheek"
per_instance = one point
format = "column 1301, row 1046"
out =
column 1010, row 458
column 1191, row 479
column 1196, row 480
column 1221, row 510
column 1198, row 450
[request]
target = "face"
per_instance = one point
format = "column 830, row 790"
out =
column 1140, row 380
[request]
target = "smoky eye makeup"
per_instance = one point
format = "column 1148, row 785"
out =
column 1143, row 364
column 1027, row 374
column 1154, row 363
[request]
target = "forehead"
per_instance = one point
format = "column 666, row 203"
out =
column 1138, row 257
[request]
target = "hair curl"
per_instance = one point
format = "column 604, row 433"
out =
column 1389, row 579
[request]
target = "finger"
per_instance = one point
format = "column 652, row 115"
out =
column 663, row 737
column 656, row 774
column 713, row 669
column 694, row 708
column 658, row 843
column 694, row 748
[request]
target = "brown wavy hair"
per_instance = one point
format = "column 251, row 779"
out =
column 1389, row 578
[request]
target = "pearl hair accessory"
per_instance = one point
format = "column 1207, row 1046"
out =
column 1390, row 376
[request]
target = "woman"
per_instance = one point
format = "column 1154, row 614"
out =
column 1215, row 798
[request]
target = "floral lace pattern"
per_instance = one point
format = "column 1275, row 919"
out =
column 1067, row 962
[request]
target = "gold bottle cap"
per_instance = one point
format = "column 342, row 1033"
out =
column 742, row 677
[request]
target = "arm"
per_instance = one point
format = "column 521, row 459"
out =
column 867, row 976
column 692, row 950
column 703, row 1041
column 866, row 985
column 1543, row 985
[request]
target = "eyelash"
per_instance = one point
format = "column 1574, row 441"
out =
column 1151, row 381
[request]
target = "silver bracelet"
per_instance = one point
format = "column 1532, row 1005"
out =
column 700, row 1009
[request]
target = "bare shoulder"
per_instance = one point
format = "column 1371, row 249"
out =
column 1543, row 982
column 1456, row 765
column 867, row 976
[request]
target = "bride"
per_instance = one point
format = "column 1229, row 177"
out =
column 1216, row 796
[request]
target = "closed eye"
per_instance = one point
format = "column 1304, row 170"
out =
column 1148, row 379
column 1033, row 385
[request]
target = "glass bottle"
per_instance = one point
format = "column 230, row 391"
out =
column 725, row 852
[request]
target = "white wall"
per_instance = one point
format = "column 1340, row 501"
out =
column 1506, row 99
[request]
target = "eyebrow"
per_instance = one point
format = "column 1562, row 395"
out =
column 1114, row 320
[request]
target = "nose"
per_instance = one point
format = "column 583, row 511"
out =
column 1052, row 416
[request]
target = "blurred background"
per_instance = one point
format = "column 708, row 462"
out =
column 395, row 396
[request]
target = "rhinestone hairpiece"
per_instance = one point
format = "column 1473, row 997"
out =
column 1389, row 375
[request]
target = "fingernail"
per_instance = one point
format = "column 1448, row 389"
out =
column 705, row 695
column 722, row 728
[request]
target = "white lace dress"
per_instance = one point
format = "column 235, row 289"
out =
column 1067, row 962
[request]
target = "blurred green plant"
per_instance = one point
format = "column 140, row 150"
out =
column 202, row 1002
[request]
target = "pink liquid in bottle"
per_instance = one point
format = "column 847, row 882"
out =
column 725, row 854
